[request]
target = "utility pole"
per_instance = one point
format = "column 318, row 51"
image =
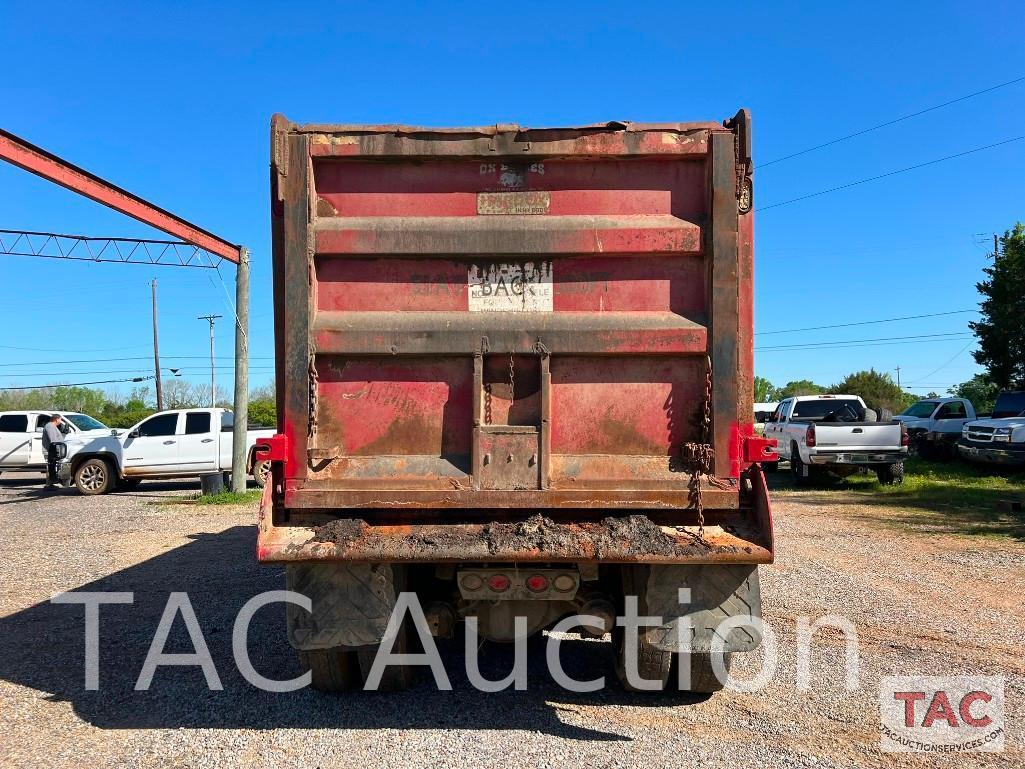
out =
column 213, row 369
column 898, row 376
column 156, row 349
column 996, row 247
column 241, row 424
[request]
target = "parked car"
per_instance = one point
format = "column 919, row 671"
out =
column 934, row 425
column 1000, row 439
column 170, row 444
column 21, row 436
column 830, row 432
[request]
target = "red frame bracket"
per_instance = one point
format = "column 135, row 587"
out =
column 273, row 449
column 760, row 449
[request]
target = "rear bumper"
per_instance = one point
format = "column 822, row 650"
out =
column 742, row 535
column 857, row 457
column 991, row 453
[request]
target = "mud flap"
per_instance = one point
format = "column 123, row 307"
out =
column 351, row 604
column 716, row 593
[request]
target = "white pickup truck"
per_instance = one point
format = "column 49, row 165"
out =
column 21, row 436
column 171, row 444
column 934, row 425
column 999, row 440
column 829, row 432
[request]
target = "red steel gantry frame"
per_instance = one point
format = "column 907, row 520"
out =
column 38, row 161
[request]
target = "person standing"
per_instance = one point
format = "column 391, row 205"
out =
column 52, row 435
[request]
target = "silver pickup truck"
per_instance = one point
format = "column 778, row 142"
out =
column 830, row 432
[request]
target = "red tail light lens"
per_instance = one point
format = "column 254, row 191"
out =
column 498, row 583
column 905, row 439
column 809, row 436
column 536, row 583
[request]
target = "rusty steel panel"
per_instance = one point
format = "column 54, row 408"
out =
column 474, row 322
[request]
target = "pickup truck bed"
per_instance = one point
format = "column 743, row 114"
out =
column 812, row 436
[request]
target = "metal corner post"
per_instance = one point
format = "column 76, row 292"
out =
column 241, row 425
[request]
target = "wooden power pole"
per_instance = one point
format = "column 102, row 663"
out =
column 156, row 349
column 213, row 365
column 241, row 424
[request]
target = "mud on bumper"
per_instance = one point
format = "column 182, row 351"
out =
column 740, row 534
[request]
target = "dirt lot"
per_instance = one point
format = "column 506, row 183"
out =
column 924, row 600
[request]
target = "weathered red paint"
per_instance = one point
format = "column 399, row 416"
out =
column 402, row 395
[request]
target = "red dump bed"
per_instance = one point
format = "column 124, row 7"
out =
column 477, row 325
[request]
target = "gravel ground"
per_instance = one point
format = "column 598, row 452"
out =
column 922, row 603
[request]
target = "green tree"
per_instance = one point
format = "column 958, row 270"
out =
column 980, row 390
column 765, row 391
column 877, row 389
column 263, row 412
column 799, row 387
column 1001, row 329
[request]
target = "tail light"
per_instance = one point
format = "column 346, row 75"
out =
column 809, row 436
column 498, row 583
column 536, row 583
column 905, row 439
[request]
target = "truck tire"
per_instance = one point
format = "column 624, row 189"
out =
column 801, row 472
column 261, row 472
column 890, row 475
column 652, row 664
column 396, row 678
column 657, row 665
column 95, row 476
column 702, row 675
column 331, row 670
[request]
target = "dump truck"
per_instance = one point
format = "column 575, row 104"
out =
column 514, row 378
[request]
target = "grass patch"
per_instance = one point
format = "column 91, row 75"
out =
column 229, row 498
column 224, row 498
column 947, row 497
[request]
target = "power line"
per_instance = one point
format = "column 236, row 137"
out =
column 890, row 122
column 952, row 359
column 7, row 375
column 79, row 349
column 890, row 173
column 865, row 342
column 78, row 384
column 863, row 322
column 119, row 360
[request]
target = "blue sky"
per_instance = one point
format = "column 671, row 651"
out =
column 174, row 101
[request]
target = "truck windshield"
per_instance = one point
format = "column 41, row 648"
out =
column 819, row 409
column 82, row 422
column 920, row 409
column 1009, row 405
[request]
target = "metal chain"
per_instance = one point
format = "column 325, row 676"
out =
column 487, row 403
column 699, row 456
column 311, row 428
column 512, row 380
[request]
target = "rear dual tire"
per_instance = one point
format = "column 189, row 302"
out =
column 661, row 668
column 654, row 664
column 343, row 668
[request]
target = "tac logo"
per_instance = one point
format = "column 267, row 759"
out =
column 942, row 714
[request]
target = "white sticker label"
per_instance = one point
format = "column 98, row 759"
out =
column 511, row 287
